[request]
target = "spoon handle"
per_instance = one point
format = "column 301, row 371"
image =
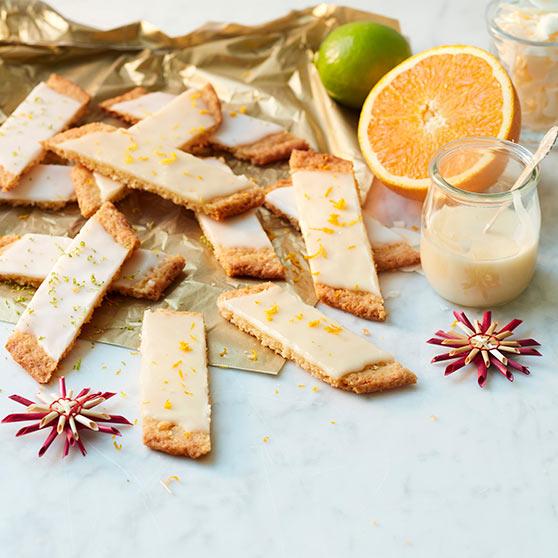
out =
column 544, row 148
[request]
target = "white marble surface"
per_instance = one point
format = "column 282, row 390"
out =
column 442, row 469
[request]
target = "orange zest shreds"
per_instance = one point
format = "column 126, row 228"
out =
column 177, row 364
column 181, row 374
column 328, row 191
column 333, row 219
column 315, row 389
column 314, row 323
column 339, row 204
column 253, row 355
column 301, row 386
column 132, row 147
column 224, row 352
column 168, row 405
column 351, row 247
column 333, row 329
column 170, row 159
column 128, row 159
column 242, row 109
column 299, row 316
column 185, row 347
column 116, row 445
column 143, row 158
column 325, row 230
column 265, row 439
column 321, row 252
column 270, row 312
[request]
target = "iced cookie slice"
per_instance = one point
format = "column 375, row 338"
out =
column 391, row 250
column 337, row 247
column 28, row 259
column 49, row 108
column 46, row 186
column 242, row 247
column 73, row 288
column 187, row 120
column 136, row 104
column 175, row 408
column 253, row 139
column 299, row 332
column 172, row 174
column 93, row 190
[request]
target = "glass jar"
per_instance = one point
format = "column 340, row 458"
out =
column 525, row 39
column 470, row 187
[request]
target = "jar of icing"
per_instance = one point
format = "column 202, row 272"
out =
column 525, row 38
column 465, row 262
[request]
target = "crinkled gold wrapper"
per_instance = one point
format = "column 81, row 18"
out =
column 267, row 68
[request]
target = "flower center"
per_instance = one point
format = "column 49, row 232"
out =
column 65, row 406
column 483, row 341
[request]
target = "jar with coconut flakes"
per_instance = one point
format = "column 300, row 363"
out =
column 525, row 38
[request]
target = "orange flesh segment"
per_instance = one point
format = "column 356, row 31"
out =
column 439, row 99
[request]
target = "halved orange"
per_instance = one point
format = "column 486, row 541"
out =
column 434, row 97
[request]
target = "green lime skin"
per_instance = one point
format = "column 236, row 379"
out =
column 354, row 56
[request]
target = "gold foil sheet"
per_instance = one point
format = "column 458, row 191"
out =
column 267, row 68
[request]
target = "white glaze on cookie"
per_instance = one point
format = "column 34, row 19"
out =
column 330, row 219
column 33, row 255
column 144, row 106
column 320, row 340
column 241, row 231
column 72, row 288
column 42, row 114
column 42, row 184
column 283, row 199
column 109, row 189
column 240, row 129
column 178, row 122
column 166, row 167
column 174, row 383
column 139, row 267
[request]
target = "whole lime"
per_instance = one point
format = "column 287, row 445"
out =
column 354, row 56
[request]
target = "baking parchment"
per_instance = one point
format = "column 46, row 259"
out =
column 266, row 68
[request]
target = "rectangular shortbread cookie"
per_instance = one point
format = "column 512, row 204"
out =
column 47, row 186
column 246, row 137
column 337, row 247
column 73, row 288
column 253, row 139
column 189, row 119
column 49, row 108
column 93, row 190
column 172, row 174
column 300, row 332
column 391, row 250
column 136, row 104
column 176, row 411
column 242, row 247
column 28, row 259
